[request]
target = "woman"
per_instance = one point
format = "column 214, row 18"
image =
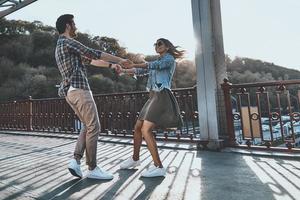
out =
column 161, row 109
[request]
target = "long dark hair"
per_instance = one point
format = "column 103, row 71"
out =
column 173, row 49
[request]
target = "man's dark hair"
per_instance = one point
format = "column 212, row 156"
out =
column 62, row 22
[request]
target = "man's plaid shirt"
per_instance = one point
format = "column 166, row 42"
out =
column 70, row 57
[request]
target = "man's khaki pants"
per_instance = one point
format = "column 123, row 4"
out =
column 83, row 104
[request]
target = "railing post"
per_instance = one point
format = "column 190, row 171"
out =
column 229, row 115
column 29, row 117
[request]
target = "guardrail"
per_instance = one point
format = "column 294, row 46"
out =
column 263, row 114
column 117, row 114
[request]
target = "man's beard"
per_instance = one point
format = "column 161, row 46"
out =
column 73, row 34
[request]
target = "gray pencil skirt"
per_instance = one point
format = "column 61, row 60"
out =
column 162, row 109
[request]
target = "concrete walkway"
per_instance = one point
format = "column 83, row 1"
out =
column 34, row 167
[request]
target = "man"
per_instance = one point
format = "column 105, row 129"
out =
column 70, row 57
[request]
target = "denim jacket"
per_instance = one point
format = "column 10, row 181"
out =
column 160, row 73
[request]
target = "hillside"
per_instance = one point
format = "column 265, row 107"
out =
column 242, row 70
column 28, row 67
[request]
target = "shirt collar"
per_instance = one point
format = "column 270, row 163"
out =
column 163, row 56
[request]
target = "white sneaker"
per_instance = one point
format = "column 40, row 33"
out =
column 154, row 171
column 129, row 163
column 99, row 173
column 74, row 168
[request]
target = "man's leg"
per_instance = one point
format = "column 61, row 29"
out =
column 151, row 143
column 84, row 102
column 137, row 140
column 80, row 144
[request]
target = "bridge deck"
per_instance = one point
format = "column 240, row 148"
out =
column 34, row 167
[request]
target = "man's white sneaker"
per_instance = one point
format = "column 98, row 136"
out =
column 74, row 168
column 154, row 171
column 99, row 173
column 130, row 163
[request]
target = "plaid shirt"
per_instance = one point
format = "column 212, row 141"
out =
column 71, row 57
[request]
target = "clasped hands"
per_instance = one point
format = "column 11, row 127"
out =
column 125, row 66
column 122, row 66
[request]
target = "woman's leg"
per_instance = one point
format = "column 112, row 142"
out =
column 137, row 140
column 151, row 143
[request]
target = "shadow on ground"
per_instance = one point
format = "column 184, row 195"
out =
column 35, row 168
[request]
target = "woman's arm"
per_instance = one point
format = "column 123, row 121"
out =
column 139, row 65
column 135, row 71
column 128, row 71
column 165, row 63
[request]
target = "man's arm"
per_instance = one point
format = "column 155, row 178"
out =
column 115, row 59
column 102, row 63
column 90, row 53
column 111, row 58
column 77, row 47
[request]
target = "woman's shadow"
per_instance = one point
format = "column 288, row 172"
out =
column 150, row 185
column 124, row 175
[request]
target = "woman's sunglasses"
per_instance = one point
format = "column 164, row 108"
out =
column 159, row 43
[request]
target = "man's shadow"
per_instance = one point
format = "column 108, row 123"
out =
column 150, row 185
column 59, row 189
column 78, row 185
column 124, row 175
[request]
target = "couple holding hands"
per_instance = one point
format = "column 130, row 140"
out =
column 161, row 109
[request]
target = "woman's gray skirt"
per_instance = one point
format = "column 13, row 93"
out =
column 162, row 109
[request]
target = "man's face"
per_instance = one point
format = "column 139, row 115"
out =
column 72, row 29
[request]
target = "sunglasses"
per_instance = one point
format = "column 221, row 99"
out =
column 159, row 43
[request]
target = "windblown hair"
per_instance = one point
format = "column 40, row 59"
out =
column 173, row 50
column 62, row 22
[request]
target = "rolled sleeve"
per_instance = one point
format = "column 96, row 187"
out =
column 164, row 63
column 85, row 60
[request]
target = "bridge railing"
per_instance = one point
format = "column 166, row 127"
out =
column 117, row 114
column 263, row 114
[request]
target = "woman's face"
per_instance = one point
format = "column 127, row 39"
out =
column 160, row 47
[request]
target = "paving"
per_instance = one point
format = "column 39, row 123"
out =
column 35, row 167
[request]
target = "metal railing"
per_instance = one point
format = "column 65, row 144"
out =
column 263, row 114
column 117, row 114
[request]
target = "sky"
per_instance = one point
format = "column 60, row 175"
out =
column 267, row 30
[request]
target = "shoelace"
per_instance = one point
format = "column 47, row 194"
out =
column 99, row 169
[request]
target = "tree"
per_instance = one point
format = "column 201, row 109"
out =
column 185, row 74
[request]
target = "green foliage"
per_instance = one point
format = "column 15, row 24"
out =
column 246, row 70
column 185, row 74
column 101, row 84
column 110, row 45
column 28, row 67
column 17, row 49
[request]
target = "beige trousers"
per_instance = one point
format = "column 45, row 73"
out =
column 83, row 104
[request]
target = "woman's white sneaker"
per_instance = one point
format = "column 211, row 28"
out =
column 99, row 173
column 154, row 171
column 130, row 163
